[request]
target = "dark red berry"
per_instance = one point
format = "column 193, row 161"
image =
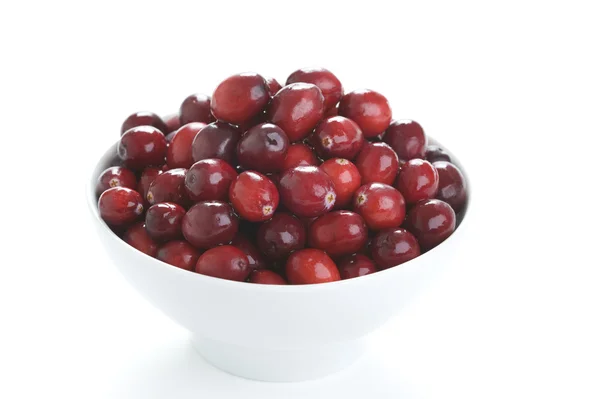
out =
column 345, row 177
column 195, row 108
column 380, row 205
column 180, row 254
column 163, row 221
column 209, row 179
column 240, row 97
column 266, row 277
column 431, row 221
column 452, row 185
column 369, row 109
column 310, row 266
column 417, row 180
column 144, row 118
column 331, row 112
column 120, row 206
column 299, row 155
column 255, row 258
column 179, row 153
column 216, row 140
column 138, row 237
column 168, row 187
column 281, row 235
column 172, row 123
column 147, row 177
column 227, row 262
column 142, row 146
column 115, row 176
column 393, row 247
column 263, row 148
column 326, row 81
column 355, row 266
column 273, row 86
column 435, row 153
column 338, row 233
column 209, row 223
column 254, row 196
column 338, row 137
column 377, row 163
column 407, row 138
column 307, row 191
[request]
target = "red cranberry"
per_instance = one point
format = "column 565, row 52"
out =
column 381, row 206
column 168, row 187
column 355, row 266
column 255, row 258
column 254, row 196
column 195, row 108
column 338, row 233
column 217, row 140
column 263, row 148
column 377, row 163
column 142, row 146
column 307, row 191
column 326, row 81
column 310, row 266
column 281, row 235
column 417, row 180
column 115, row 176
column 180, row 254
column 345, row 177
column 369, row 109
column 226, row 262
column 266, row 277
column 451, row 188
column 393, row 247
column 179, row 153
column 299, row 155
column 273, row 86
column 431, row 221
column 138, row 237
column 297, row 108
column 407, row 138
column 172, row 123
column 144, row 119
column 148, row 176
column 163, row 221
column 209, row 223
column 338, row 137
column 435, row 153
column 209, row 179
column 239, row 97
column 331, row 112
column 119, row 206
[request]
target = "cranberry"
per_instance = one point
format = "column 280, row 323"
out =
column 209, row 179
column 168, row 187
column 216, row 140
column 239, row 97
column 331, row 112
column 310, row 266
column 377, row 163
column 266, row 277
column 297, row 108
column 299, row 155
column 345, row 177
column 138, row 237
column 281, row 235
column 142, row 146
column 226, row 262
column 115, row 176
column 407, row 138
column 180, row 254
column 435, row 153
column 273, row 86
column 144, row 118
column 417, row 180
column 431, row 221
column 179, row 152
column 255, row 258
column 256, row 120
column 381, row 206
column 326, row 81
column 307, row 191
column 209, row 223
column 169, row 138
column 254, row 196
column 172, row 123
column 163, row 221
column 119, row 206
column 355, row 266
column 338, row 137
column 338, row 233
column 451, row 188
column 195, row 108
column 147, row 177
column 369, row 109
column 263, row 148
column 393, row 247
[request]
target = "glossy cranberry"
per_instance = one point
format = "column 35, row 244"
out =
column 266, row 277
column 381, row 206
column 369, row 109
column 144, row 118
column 345, row 177
column 263, row 148
column 327, row 82
column 299, row 155
column 195, row 108
column 209, row 179
column 431, row 221
column 310, row 266
column 338, row 233
column 180, row 254
column 331, row 112
column 417, row 180
column 216, row 140
column 209, row 223
column 226, row 262
column 147, row 177
column 119, row 206
column 138, row 237
column 307, row 191
column 297, row 109
column 240, row 97
column 168, row 187
column 179, row 152
column 435, row 153
column 115, row 176
column 172, row 123
column 338, row 137
column 452, row 185
column 393, row 247
column 281, row 235
column 407, row 138
column 355, row 266
column 255, row 258
column 163, row 221
column 254, row 196
column 273, row 86
column 169, row 138
column 377, row 163
column 142, row 146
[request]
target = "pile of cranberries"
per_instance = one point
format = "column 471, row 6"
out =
column 299, row 184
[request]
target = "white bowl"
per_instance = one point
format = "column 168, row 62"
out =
column 271, row 332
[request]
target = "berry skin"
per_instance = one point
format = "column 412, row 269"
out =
column 407, row 138
column 209, row 223
column 138, row 237
column 168, row 187
column 239, row 98
column 299, row 155
column 263, row 148
column 345, row 177
column 179, row 152
column 356, row 265
column 431, row 221
column 179, row 253
column 216, row 140
column 377, row 163
column 144, row 118
column 369, row 109
column 209, row 179
column 307, row 191
column 163, row 221
column 452, row 185
column 310, row 266
column 226, row 261
column 380, row 205
column 281, row 235
column 195, row 108
column 393, row 247
column 142, row 146
column 254, row 197
column 120, row 206
column 338, row 137
column 327, row 82
column 417, row 180
column 115, row 176
column 266, row 277
column 338, row 233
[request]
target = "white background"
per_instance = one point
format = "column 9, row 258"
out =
column 512, row 87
